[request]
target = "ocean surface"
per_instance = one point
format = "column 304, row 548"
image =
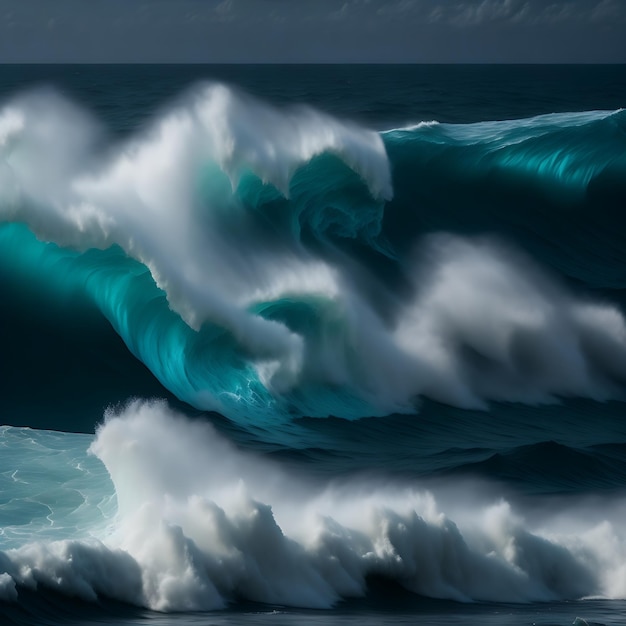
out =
column 313, row 345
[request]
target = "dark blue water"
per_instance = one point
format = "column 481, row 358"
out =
column 397, row 291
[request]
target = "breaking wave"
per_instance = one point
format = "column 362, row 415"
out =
column 187, row 522
column 270, row 264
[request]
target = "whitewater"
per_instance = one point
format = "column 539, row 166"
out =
column 303, row 358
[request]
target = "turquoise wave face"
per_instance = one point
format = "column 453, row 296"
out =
column 269, row 272
column 553, row 185
column 51, row 488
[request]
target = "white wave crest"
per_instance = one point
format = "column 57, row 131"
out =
column 151, row 197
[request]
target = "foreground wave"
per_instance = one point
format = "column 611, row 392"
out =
column 188, row 522
column 274, row 264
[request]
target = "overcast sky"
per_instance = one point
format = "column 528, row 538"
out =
column 225, row 31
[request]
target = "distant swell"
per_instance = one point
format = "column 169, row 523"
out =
column 274, row 264
column 553, row 184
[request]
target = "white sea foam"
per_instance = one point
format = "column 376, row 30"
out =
column 488, row 324
column 201, row 523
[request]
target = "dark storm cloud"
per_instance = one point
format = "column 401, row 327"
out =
column 531, row 12
column 313, row 30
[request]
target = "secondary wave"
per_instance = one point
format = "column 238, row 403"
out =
column 199, row 524
column 260, row 263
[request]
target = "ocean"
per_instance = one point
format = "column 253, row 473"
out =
column 320, row 344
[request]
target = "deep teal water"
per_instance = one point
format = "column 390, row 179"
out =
column 417, row 305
